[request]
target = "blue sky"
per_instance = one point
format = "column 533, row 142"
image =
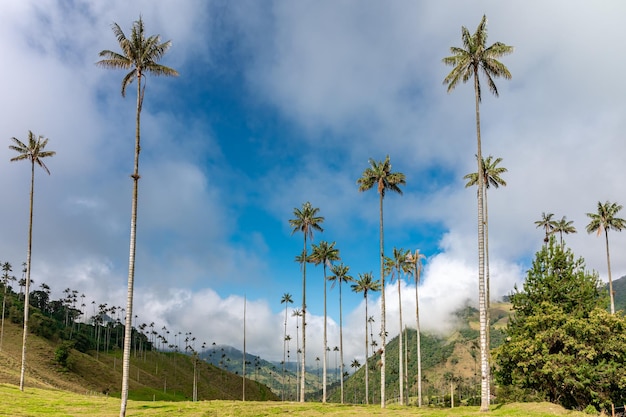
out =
column 282, row 102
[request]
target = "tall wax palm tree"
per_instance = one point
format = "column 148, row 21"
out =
column 467, row 62
column 324, row 254
column 414, row 259
column 564, row 226
column 547, row 224
column 491, row 177
column 395, row 266
column 286, row 299
column 341, row 274
column 306, row 221
column 33, row 151
column 365, row 284
column 604, row 220
column 379, row 175
column 140, row 55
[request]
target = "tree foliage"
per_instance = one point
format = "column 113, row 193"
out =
column 562, row 344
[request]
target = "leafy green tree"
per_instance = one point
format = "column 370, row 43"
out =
column 564, row 226
column 33, row 151
column 306, row 221
column 140, row 55
column 414, row 259
column 467, row 62
column 286, row 299
column 341, row 274
column 547, row 224
column 380, row 176
column 325, row 253
column 366, row 284
column 606, row 219
column 561, row 342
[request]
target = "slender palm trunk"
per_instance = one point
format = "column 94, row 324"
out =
column 419, row 344
column 367, row 375
column 608, row 262
column 382, row 309
column 297, row 358
column 284, row 350
column 303, row 366
column 131, row 259
column 482, row 306
column 325, row 342
column 27, row 284
column 400, row 356
column 341, row 338
column 487, row 281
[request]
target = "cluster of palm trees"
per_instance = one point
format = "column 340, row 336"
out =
column 603, row 220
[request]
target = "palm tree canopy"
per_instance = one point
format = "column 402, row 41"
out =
column 139, row 54
column 306, row 220
column 380, row 175
column 286, row 298
column 397, row 263
column 546, row 222
column 33, row 151
column 340, row 272
column 415, row 260
column 365, row 284
column 606, row 218
column 564, row 226
column 475, row 57
column 325, row 253
column 491, row 174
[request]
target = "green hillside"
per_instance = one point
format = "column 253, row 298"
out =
column 153, row 375
column 450, row 358
column 619, row 286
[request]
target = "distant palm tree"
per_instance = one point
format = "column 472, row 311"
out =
column 606, row 219
column 306, row 221
column 365, row 284
column 564, row 226
column 33, row 151
column 324, row 254
column 286, row 299
column 139, row 55
column 297, row 313
column 379, row 175
column 355, row 366
column 546, row 223
column 395, row 266
column 340, row 272
column 467, row 62
column 415, row 260
column 6, row 278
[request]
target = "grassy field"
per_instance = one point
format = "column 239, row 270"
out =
column 52, row 403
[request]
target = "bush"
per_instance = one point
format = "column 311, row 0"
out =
column 62, row 354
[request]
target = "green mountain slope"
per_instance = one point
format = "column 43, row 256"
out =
column 153, row 375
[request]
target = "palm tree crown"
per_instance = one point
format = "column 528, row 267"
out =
column 564, row 226
column 139, row 54
column 476, row 57
column 547, row 224
column 491, row 174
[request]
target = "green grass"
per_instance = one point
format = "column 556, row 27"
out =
column 53, row 403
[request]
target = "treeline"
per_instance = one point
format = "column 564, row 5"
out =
column 67, row 319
